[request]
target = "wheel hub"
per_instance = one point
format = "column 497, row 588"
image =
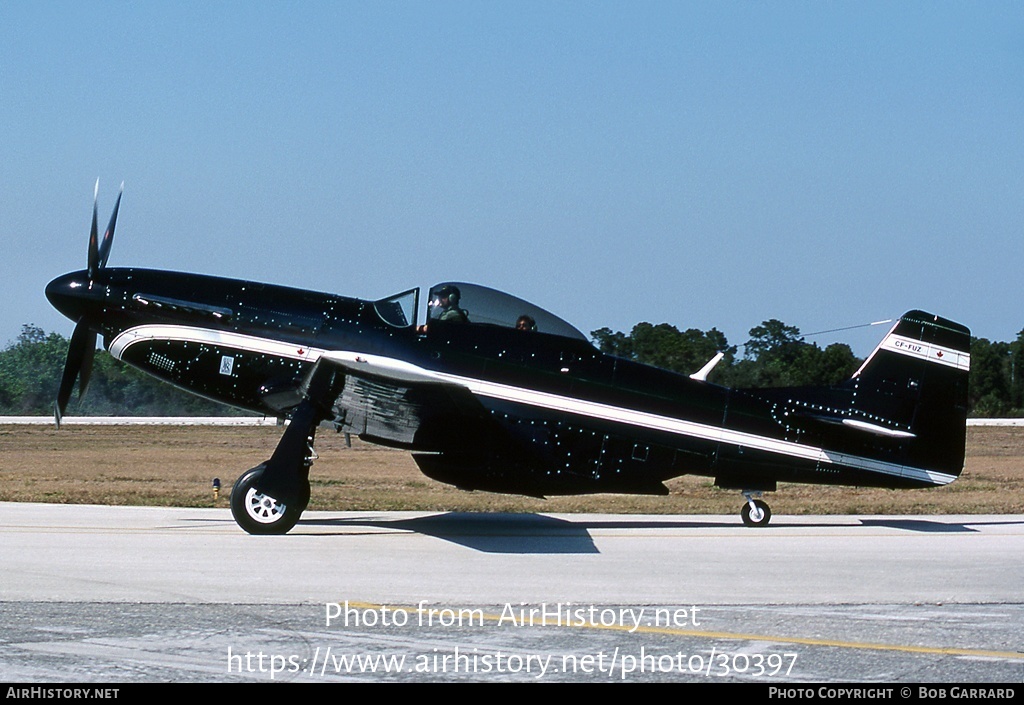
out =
column 262, row 507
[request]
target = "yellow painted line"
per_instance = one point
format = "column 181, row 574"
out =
column 736, row 636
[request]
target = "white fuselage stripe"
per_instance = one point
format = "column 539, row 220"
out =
column 192, row 334
column 407, row 372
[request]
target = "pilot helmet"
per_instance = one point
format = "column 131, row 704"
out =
column 452, row 292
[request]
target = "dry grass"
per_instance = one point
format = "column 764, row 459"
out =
column 175, row 466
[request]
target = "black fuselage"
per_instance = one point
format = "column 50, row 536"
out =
column 483, row 406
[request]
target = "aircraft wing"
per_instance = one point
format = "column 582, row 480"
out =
column 394, row 403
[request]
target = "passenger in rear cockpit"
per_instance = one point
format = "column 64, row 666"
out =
column 526, row 323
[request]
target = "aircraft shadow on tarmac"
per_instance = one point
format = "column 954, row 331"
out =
column 539, row 534
column 510, row 533
column 935, row 527
column 488, row 533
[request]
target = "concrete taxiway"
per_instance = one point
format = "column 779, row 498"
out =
column 134, row 593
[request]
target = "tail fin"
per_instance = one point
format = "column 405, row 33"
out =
column 915, row 381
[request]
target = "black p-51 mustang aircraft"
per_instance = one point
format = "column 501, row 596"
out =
column 493, row 393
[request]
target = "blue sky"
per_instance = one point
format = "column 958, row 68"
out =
column 704, row 164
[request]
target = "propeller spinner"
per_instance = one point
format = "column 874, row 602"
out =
column 82, row 349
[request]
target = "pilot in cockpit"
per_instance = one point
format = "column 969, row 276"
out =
column 446, row 301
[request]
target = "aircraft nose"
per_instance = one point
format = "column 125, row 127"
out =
column 68, row 293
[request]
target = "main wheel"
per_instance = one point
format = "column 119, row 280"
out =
column 259, row 513
column 760, row 515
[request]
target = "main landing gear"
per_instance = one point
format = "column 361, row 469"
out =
column 755, row 512
column 270, row 498
column 259, row 513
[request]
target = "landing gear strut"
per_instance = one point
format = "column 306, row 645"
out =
column 270, row 498
column 755, row 512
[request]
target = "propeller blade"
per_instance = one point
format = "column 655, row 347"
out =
column 85, row 371
column 81, row 352
column 108, row 236
column 94, row 256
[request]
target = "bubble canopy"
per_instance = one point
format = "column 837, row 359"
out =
column 480, row 305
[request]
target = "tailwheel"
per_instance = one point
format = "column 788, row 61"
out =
column 259, row 513
column 756, row 513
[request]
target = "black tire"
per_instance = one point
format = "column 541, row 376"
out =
column 258, row 513
column 755, row 521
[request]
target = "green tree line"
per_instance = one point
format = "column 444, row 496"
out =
column 31, row 368
column 776, row 355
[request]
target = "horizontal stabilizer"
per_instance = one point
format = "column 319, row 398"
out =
column 856, row 424
column 876, row 429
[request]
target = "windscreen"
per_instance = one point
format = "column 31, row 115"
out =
column 399, row 310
